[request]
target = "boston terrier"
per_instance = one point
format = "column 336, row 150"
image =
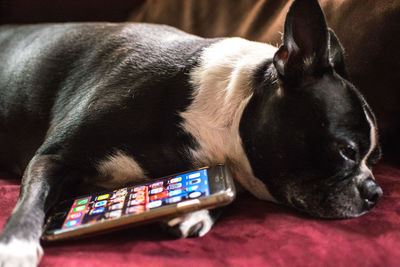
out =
column 103, row 105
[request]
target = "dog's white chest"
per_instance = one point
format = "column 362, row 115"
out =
column 222, row 85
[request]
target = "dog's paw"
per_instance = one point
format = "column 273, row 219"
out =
column 20, row 253
column 193, row 224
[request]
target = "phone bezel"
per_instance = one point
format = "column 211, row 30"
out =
column 221, row 193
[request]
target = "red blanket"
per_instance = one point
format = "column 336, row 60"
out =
column 250, row 233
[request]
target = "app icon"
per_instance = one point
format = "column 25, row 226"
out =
column 98, row 210
column 76, row 215
column 72, row 223
column 114, row 214
column 102, row 197
column 175, row 180
column 139, row 188
column 175, row 192
column 101, row 203
column 158, row 184
column 136, row 209
column 174, row 199
column 119, row 199
column 117, row 206
column 156, row 190
column 195, row 194
column 193, row 188
column 136, row 202
column 194, row 175
column 81, row 202
column 154, row 204
column 162, row 195
column 195, row 181
column 140, row 194
column 120, row 193
column 79, row 208
column 175, row 186
column 133, row 196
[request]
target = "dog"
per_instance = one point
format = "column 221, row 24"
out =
column 102, row 105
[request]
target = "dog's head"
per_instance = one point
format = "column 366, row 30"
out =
column 311, row 137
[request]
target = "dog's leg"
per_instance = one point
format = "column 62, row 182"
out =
column 194, row 224
column 19, row 241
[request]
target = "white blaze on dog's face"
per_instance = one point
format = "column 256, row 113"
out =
column 311, row 137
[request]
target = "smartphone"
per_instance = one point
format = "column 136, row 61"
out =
column 162, row 198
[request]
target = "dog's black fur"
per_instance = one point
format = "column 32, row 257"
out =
column 72, row 96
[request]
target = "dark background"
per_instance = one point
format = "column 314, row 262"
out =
column 35, row 11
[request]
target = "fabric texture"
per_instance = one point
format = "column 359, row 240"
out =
column 250, row 233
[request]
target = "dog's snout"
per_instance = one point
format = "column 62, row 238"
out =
column 370, row 192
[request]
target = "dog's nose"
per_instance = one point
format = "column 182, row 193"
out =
column 370, row 192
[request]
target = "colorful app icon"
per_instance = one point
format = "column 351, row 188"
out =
column 162, row 195
column 139, row 188
column 79, row 208
column 81, row 202
column 174, row 186
column 120, row 193
column 114, row 214
column 102, row 197
column 119, row 199
column 76, row 215
column 100, row 203
column 193, row 188
column 134, row 202
column 154, row 204
column 133, row 196
column 194, row 175
column 174, row 199
column 158, row 184
column 140, row 194
column 195, row 181
column 72, row 223
column 175, row 180
column 156, row 190
column 195, row 194
column 175, row 192
column 136, row 209
column 98, row 210
column 117, row 206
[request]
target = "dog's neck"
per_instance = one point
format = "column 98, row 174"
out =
column 222, row 88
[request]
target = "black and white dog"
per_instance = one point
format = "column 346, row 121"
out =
column 103, row 105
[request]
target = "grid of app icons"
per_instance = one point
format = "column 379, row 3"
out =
column 137, row 199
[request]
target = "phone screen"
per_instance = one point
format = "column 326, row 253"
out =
column 136, row 199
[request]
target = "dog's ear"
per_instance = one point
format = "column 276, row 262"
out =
column 336, row 54
column 305, row 42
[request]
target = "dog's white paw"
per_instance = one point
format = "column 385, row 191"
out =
column 193, row 224
column 20, row 253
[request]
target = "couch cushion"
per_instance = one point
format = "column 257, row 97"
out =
column 251, row 233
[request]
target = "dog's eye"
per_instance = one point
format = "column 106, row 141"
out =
column 347, row 151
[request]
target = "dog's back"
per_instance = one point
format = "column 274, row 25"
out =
column 49, row 71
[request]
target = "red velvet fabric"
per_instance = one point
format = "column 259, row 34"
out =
column 250, row 233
